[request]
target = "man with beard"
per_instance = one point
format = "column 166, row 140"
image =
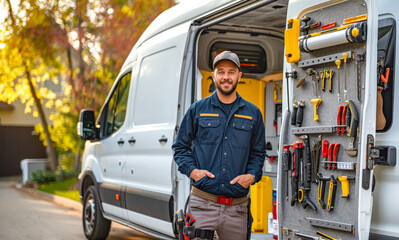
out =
column 221, row 146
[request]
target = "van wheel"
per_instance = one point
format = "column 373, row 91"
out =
column 95, row 226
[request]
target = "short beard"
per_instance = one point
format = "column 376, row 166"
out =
column 228, row 93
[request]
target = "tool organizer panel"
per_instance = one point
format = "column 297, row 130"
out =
column 318, row 172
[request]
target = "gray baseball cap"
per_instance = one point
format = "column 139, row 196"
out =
column 227, row 55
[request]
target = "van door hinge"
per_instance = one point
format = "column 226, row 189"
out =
column 371, row 152
column 292, row 74
column 369, row 163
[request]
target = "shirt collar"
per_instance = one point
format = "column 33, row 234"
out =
column 216, row 102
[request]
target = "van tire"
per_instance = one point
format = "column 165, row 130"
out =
column 95, row 226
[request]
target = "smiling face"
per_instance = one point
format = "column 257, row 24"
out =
column 226, row 77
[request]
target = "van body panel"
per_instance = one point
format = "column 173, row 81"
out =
column 149, row 166
column 384, row 215
column 186, row 11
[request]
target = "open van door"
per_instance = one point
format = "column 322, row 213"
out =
column 329, row 122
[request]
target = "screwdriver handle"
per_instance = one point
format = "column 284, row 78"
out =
column 299, row 116
column 294, row 113
column 338, row 63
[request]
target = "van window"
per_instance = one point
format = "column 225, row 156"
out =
column 385, row 69
column 116, row 107
column 156, row 88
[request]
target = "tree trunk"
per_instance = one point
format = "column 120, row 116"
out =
column 51, row 153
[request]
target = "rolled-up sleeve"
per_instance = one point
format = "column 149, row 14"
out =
column 183, row 152
column 257, row 152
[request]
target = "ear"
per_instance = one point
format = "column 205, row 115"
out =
column 213, row 76
column 239, row 76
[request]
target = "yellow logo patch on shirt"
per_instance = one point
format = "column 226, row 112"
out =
column 243, row 116
column 209, row 115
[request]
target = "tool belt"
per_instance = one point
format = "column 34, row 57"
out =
column 218, row 199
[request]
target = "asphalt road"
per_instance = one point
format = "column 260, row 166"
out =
column 25, row 217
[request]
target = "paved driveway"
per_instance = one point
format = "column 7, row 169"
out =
column 25, row 217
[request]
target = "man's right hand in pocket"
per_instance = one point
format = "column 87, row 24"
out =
column 197, row 174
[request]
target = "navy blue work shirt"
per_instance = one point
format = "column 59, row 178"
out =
column 225, row 145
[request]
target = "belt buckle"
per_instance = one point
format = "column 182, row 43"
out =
column 225, row 200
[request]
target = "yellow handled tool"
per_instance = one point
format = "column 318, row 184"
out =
column 345, row 185
column 330, row 76
column 316, row 103
column 323, row 76
column 331, row 193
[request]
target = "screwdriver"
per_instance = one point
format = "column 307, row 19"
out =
column 345, row 57
column 338, row 63
column 324, row 150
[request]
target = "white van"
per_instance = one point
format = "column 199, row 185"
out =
column 128, row 173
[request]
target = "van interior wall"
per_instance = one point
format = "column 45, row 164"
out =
column 263, row 88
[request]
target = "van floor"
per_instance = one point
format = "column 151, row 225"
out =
column 261, row 236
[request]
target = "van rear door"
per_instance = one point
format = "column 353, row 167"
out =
column 331, row 196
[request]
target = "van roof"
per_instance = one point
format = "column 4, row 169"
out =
column 182, row 12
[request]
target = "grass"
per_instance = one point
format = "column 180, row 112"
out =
column 61, row 189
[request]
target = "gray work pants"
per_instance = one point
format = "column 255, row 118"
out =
column 230, row 222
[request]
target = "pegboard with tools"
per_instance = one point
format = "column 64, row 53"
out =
column 319, row 175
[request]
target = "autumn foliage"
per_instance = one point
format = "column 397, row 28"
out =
column 80, row 44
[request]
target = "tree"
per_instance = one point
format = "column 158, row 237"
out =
column 84, row 41
column 23, row 50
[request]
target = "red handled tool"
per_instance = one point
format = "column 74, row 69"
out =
column 335, row 154
column 343, row 122
column 339, row 117
column 330, row 154
column 324, row 150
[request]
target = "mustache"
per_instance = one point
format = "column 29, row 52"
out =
column 226, row 80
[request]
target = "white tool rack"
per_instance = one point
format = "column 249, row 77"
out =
column 296, row 222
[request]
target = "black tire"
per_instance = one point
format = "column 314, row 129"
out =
column 95, row 226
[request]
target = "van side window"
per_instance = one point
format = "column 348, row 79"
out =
column 116, row 107
column 385, row 70
column 156, row 90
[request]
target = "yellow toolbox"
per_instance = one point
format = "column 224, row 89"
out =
column 261, row 204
